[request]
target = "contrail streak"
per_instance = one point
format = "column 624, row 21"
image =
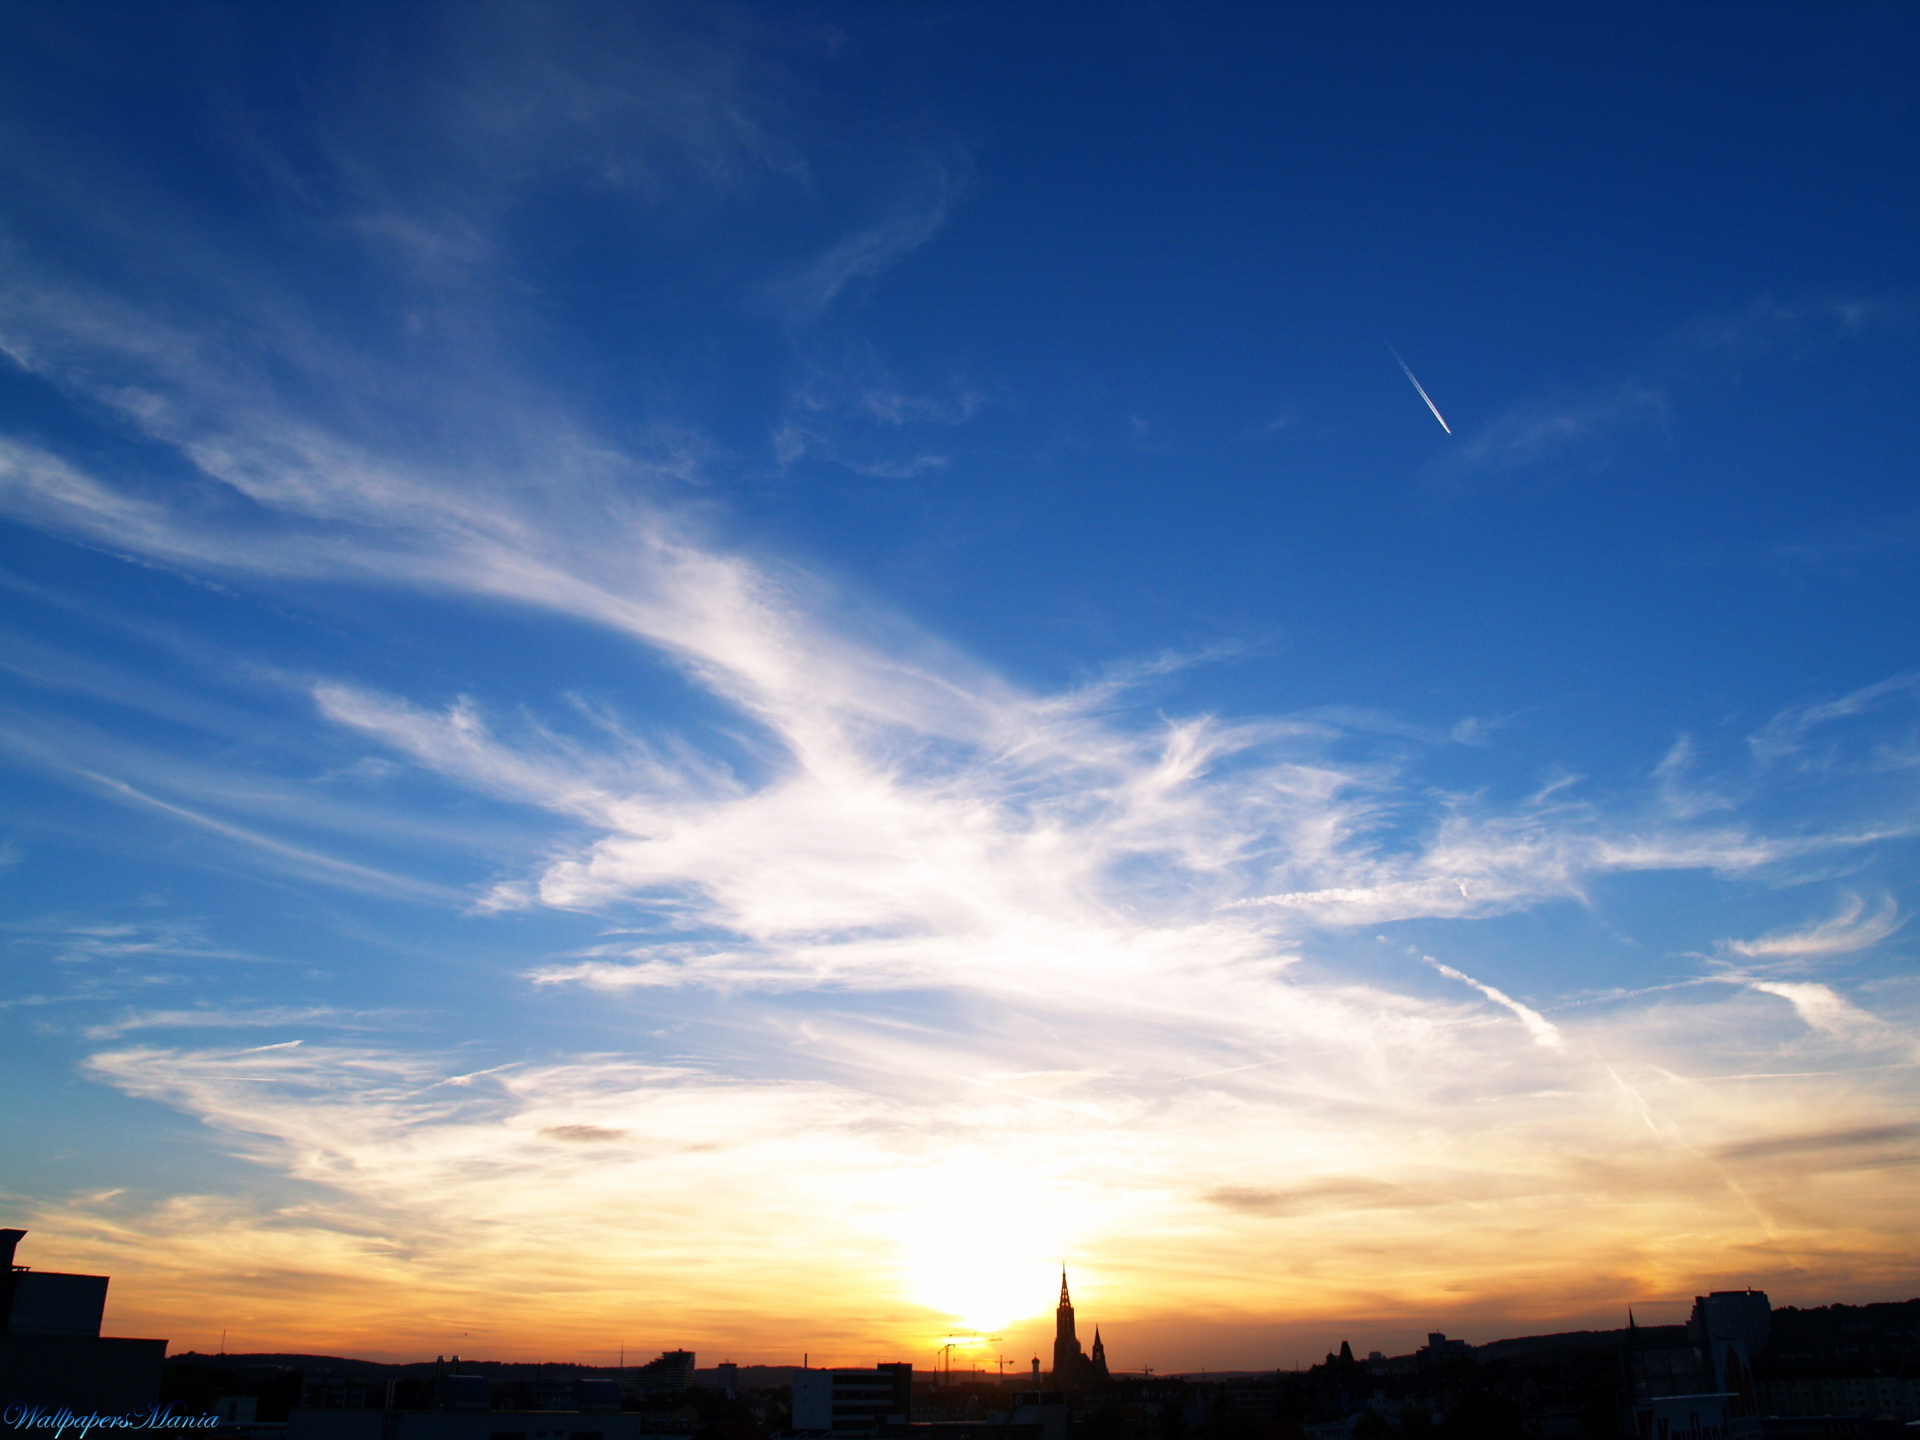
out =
column 1423, row 392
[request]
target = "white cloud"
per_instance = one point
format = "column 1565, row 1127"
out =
column 1543, row 1030
column 921, row 820
column 1824, row 1009
column 1850, row 929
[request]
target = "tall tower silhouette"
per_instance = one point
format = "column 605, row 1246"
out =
column 1069, row 1362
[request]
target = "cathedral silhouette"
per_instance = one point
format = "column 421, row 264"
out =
column 1073, row 1368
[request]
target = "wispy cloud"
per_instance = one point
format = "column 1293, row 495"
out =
column 1680, row 793
column 1851, row 929
column 280, row 854
column 1324, row 1195
column 274, row 1017
column 72, row 940
column 866, row 253
column 1542, row 431
column 855, row 413
column 1768, row 324
column 931, row 795
column 1852, row 544
column 678, row 112
column 1868, row 1139
column 1826, row 1010
column 1789, row 732
column 1543, row 1030
column 1578, row 426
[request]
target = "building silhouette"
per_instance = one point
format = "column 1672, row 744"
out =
column 1073, row 1368
column 853, row 1402
column 51, row 1349
column 1732, row 1328
column 671, row 1374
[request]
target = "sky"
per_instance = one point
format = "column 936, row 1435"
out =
column 738, row 676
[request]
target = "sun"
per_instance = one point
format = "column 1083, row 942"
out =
column 977, row 1246
column 978, row 1287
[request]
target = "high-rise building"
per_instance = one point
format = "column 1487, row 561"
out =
column 1732, row 1328
column 852, row 1402
column 1744, row 1317
column 669, row 1375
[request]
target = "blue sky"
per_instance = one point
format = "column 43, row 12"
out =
column 820, row 656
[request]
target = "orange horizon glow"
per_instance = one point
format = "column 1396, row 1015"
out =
column 1579, row 1187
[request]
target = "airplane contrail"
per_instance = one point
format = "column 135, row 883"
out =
column 1423, row 391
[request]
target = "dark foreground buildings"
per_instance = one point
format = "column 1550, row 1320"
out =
column 1738, row 1370
column 493, row 1400
column 52, row 1353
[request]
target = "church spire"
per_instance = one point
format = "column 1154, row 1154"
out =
column 1071, row 1369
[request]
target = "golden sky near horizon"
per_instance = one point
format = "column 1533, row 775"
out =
column 1388, row 1170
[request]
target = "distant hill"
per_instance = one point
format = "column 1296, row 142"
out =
column 1882, row 1336
column 1574, row 1342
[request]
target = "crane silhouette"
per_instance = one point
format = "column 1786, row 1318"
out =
column 946, row 1350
